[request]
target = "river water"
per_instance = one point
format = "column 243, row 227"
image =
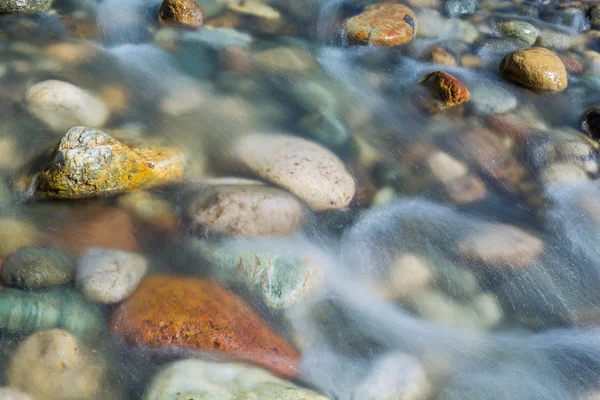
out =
column 464, row 265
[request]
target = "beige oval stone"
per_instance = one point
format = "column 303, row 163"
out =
column 502, row 246
column 245, row 210
column 54, row 365
column 304, row 168
column 61, row 105
column 536, row 68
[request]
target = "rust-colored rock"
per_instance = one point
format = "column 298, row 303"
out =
column 383, row 24
column 182, row 13
column 185, row 312
column 88, row 162
column 448, row 89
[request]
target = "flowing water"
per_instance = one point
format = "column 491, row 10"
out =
column 467, row 265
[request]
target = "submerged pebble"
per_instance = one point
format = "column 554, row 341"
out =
column 24, row 6
column 38, row 268
column 12, row 394
column 109, row 276
column 55, row 365
column 204, row 380
column 446, row 88
column 536, row 68
column 183, row 13
column 88, row 162
column 383, row 24
column 167, row 312
column 304, row 168
column 62, row 105
column 520, row 30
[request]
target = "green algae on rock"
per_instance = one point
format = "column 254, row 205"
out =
column 22, row 312
column 38, row 268
column 17, row 6
column 88, row 162
column 204, row 380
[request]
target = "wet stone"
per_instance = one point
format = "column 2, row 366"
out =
column 109, row 276
column 500, row 246
column 24, row 6
column 455, row 8
column 38, row 268
column 7, row 393
column 266, row 18
column 167, row 312
column 491, row 98
column 536, row 68
column 182, row 13
column 590, row 122
column 246, row 210
column 382, row 24
column 438, row 55
column 62, row 105
column 55, row 365
column 446, row 88
column 88, row 162
column 22, row 312
column 306, row 169
column 520, row 30
column 280, row 281
column 205, row 380
column 594, row 15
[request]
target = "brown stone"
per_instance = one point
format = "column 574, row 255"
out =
column 182, row 13
column 449, row 90
column 95, row 226
column 536, row 68
column 383, row 24
column 196, row 314
column 438, row 55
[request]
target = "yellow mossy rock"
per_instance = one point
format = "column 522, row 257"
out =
column 88, row 162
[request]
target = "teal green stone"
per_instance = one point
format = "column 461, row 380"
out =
column 519, row 30
column 26, row 312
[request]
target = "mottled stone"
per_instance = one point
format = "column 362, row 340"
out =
column 21, row 6
column 61, row 105
column 519, row 30
column 383, row 24
column 182, row 13
column 55, row 365
column 594, row 15
column 38, row 268
column 500, row 246
column 109, row 276
column 22, row 312
column 590, row 122
column 88, row 162
column 246, row 210
column 169, row 312
column 455, row 8
column 446, row 88
column 280, row 281
column 536, row 68
column 205, row 380
column 304, row 168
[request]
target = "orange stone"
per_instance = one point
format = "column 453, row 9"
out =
column 196, row 314
column 182, row 13
column 449, row 90
column 383, row 24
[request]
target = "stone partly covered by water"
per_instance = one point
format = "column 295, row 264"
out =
column 519, row 30
column 536, row 68
column 204, row 380
column 19, row 6
column 590, row 122
column 88, row 162
column 62, row 105
column 170, row 312
column 38, row 268
column 55, row 365
column 22, row 312
column 109, row 276
column 446, row 88
column 279, row 281
column 249, row 210
column 182, row 13
column 383, row 24
column 306, row 169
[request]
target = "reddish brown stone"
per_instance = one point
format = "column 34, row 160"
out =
column 183, row 13
column 169, row 311
column 449, row 90
column 96, row 226
column 383, row 24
